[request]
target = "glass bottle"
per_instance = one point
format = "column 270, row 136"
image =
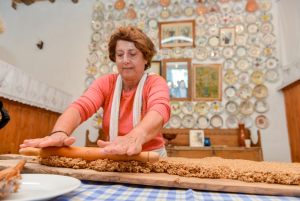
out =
column 242, row 134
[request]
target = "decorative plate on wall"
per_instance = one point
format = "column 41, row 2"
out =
column 201, row 108
column 231, row 107
column 188, row 121
column 260, row 91
column 248, row 121
column 257, row 77
column 175, row 121
column 216, row 121
column 232, row 121
column 261, row 106
column 230, row 92
column 187, row 107
column 230, row 77
column 262, row 122
column 203, row 122
column 175, row 107
column 245, row 92
column 272, row 75
column 246, row 107
column 216, row 107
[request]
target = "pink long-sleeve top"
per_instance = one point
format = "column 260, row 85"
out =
column 100, row 94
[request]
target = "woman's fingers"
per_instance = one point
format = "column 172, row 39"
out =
column 69, row 141
column 31, row 143
column 102, row 143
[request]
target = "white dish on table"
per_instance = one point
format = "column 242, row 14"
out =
column 43, row 187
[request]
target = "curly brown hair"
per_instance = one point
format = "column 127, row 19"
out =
column 135, row 35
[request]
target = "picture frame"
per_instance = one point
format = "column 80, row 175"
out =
column 227, row 36
column 196, row 138
column 207, row 82
column 177, row 34
column 177, row 73
column 155, row 67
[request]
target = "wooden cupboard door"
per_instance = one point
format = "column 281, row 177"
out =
column 292, row 107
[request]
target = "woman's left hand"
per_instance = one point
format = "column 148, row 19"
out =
column 129, row 144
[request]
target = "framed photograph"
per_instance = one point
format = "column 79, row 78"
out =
column 155, row 67
column 227, row 36
column 196, row 138
column 177, row 74
column 177, row 34
column 207, row 83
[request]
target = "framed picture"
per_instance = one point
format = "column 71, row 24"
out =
column 155, row 67
column 196, row 138
column 177, row 34
column 207, row 83
column 177, row 74
column 227, row 36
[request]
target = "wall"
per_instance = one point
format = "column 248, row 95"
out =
column 62, row 62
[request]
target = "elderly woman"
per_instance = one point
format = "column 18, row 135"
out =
column 136, row 104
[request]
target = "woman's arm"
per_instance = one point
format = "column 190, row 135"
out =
column 66, row 123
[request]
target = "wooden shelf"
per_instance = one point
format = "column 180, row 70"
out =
column 224, row 144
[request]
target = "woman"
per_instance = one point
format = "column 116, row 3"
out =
column 136, row 105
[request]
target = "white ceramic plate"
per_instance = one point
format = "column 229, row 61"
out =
column 43, row 186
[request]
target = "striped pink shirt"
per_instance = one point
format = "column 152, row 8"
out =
column 100, row 94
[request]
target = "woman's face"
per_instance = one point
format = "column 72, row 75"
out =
column 129, row 60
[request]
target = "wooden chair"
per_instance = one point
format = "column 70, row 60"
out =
column 89, row 143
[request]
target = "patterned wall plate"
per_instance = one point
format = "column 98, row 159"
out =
column 230, row 77
column 201, row 53
column 232, row 121
column 245, row 92
column 244, row 78
column 228, row 52
column 230, row 92
column 257, row 77
column 262, row 121
column 187, row 107
column 252, row 28
column 272, row 63
column 272, row 75
column 201, row 108
column 241, row 51
column 260, row 91
column 175, row 121
column 188, row 121
column 216, row 121
column 246, row 107
column 202, row 122
column 229, row 63
column 241, row 39
column 239, row 28
column 175, row 107
column 261, row 106
column 216, row 107
column 243, row 64
column 232, row 107
column 266, row 28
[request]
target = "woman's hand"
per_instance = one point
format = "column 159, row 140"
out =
column 129, row 144
column 57, row 139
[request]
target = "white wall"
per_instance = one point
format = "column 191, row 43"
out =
column 65, row 29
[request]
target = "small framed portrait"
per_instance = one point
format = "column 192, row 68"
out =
column 207, row 82
column 196, row 138
column 155, row 67
column 227, row 36
column 177, row 74
column 177, row 34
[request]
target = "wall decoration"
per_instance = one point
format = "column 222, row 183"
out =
column 196, row 138
column 207, row 82
column 177, row 74
column 227, row 36
column 243, row 43
column 177, row 34
column 155, row 67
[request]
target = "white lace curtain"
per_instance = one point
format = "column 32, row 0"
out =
column 289, row 33
column 18, row 86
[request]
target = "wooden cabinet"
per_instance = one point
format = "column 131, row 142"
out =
column 25, row 122
column 224, row 144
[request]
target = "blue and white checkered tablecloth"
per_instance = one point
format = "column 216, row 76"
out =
column 112, row 191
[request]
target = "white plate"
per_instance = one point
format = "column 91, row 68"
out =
column 43, row 186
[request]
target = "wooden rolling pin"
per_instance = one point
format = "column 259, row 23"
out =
column 86, row 153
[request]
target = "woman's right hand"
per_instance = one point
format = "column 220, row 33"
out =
column 57, row 140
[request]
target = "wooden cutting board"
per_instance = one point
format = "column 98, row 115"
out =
column 156, row 179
